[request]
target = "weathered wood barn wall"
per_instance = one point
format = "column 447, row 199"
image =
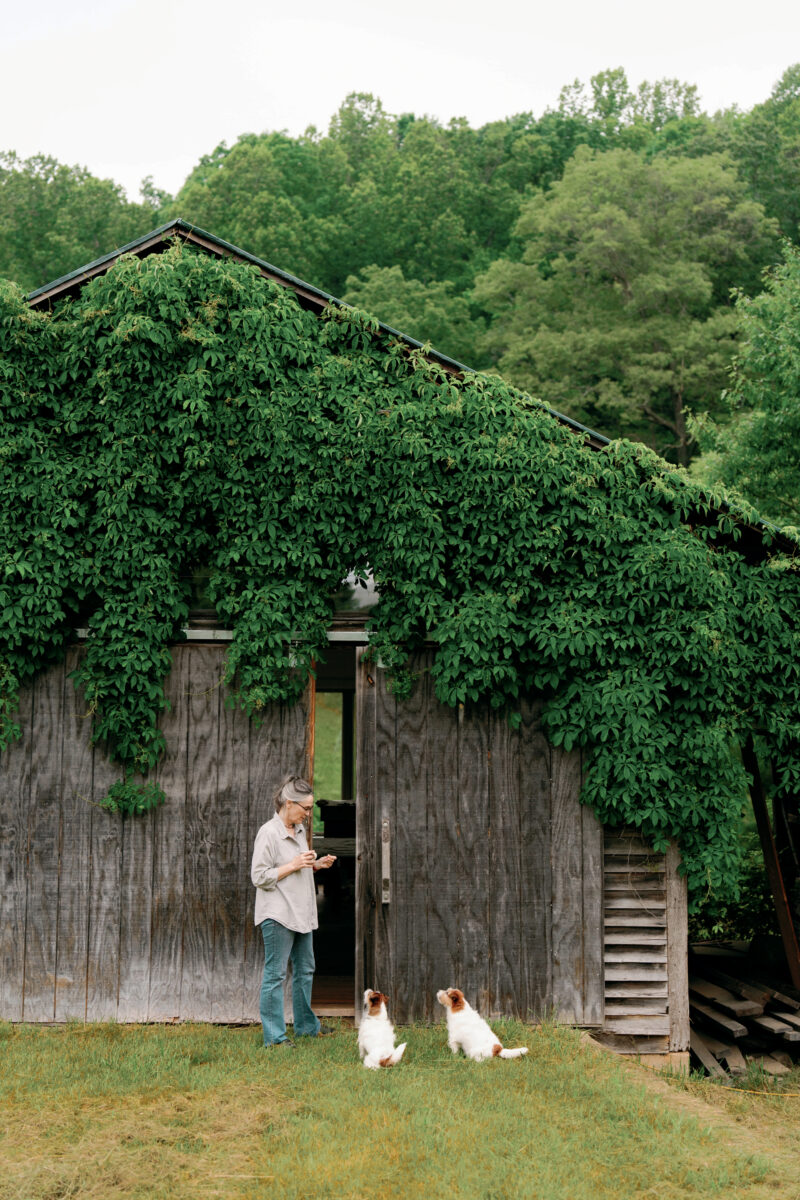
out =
column 476, row 867
column 498, row 868
column 144, row 918
column 479, row 868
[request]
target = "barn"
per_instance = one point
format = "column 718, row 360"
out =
column 465, row 854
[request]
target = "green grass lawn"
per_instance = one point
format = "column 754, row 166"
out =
column 112, row 1111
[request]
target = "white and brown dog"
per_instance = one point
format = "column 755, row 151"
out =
column 376, row 1033
column 467, row 1030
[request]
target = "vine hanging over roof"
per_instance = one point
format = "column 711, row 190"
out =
column 184, row 411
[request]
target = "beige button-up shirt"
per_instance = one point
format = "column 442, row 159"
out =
column 291, row 901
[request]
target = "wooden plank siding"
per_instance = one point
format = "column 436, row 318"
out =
column 496, row 869
column 44, row 849
column 74, row 866
column 644, row 947
column 169, row 843
column 150, row 918
column 232, row 905
column 14, row 811
column 403, row 783
column 472, row 855
column 677, row 956
column 501, row 882
column 105, row 992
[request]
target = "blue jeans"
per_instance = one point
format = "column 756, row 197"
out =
column 281, row 945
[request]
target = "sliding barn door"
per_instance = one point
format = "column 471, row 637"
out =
column 476, row 865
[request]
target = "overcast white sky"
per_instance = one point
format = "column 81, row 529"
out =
column 130, row 88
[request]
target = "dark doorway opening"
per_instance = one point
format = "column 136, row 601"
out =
column 335, row 831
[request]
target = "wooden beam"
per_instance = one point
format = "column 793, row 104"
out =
column 677, row 950
column 724, row 999
column 727, row 1026
column 778, row 1028
column 734, row 1060
column 704, row 1055
column 761, row 994
column 769, row 1064
column 789, row 1018
column 785, row 922
column 786, row 829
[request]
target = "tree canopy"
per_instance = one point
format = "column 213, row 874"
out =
column 765, row 144
column 754, row 445
column 618, row 310
column 432, row 310
column 54, row 218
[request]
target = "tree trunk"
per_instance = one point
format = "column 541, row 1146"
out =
column 680, row 430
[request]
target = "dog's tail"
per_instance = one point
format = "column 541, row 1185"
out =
column 517, row 1052
column 393, row 1059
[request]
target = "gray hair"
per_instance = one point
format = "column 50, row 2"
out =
column 291, row 787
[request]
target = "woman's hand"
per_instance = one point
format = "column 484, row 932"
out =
column 327, row 861
column 306, row 859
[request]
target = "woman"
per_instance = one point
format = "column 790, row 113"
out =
column 286, row 910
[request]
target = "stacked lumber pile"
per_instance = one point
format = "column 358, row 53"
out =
column 738, row 1018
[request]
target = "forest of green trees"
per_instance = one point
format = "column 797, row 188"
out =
column 625, row 256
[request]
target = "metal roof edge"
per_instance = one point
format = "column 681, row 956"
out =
column 92, row 268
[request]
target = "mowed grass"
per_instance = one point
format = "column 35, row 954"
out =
column 193, row 1111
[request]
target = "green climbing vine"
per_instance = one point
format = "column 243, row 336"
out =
column 183, row 413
